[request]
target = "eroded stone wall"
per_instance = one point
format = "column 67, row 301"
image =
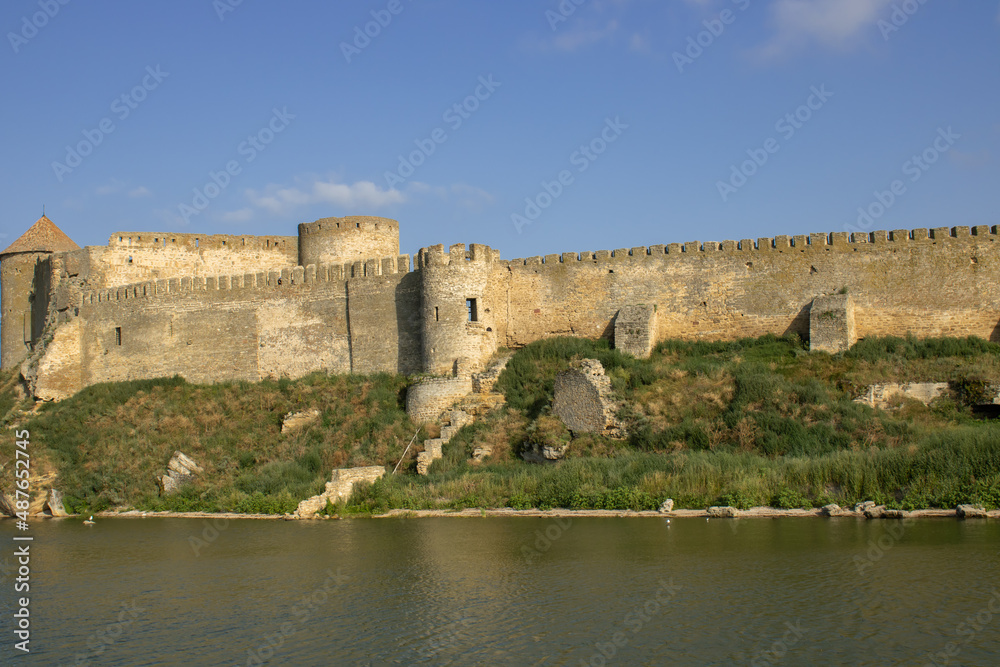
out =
column 933, row 283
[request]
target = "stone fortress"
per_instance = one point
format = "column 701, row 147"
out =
column 339, row 298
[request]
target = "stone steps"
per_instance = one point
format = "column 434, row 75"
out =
column 464, row 411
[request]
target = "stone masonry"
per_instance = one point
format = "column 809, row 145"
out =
column 339, row 298
column 584, row 399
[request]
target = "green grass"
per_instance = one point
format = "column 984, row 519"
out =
column 110, row 442
column 749, row 422
column 942, row 471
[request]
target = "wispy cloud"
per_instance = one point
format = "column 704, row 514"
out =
column 282, row 200
column 466, row 197
column 116, row 186
column 834, row 24
column 111, row 187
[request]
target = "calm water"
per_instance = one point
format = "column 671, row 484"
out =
column 489, row 591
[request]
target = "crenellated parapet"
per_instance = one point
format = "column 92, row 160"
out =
column 196, row 242
column 834, row 241
column 261, row 281
column 456, row 255
column 332, row 240
column 458, row 316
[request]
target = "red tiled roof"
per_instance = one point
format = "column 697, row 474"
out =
column 43, row 236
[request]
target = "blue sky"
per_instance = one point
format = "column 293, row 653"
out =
column 534, row 127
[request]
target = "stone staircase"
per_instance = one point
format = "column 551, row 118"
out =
column 466, row 410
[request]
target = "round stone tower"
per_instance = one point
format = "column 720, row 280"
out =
column 349, row 239
column 18, row 328
column 458, row 321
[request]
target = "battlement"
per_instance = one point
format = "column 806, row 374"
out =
column 435, row 255
column 364, row 223
column 272, row 279
column 195, row 242
column 836, row 241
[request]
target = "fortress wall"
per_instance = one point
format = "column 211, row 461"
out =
column 933, row 283
column 452, row 342
column 385, row 323
column 137, row 256
column 281, row 322
column 17, row 322
column 350, row 238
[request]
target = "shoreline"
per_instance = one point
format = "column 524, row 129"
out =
column 752, row 513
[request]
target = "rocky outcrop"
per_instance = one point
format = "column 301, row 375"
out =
column 55, row 504
column 180, row 471
column 584, row 400
column 539, row 453
column 667, row 506
column 884, row 395
column 296, row 421
column 723, row 512
column 831, row 510
column 338, row 489
column 971, row 512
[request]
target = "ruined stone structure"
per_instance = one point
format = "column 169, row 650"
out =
column 339, row 297
column 584, row 400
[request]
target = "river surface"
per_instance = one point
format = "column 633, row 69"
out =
column 508, row 591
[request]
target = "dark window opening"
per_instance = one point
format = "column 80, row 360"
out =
column 130, row 259
column 437, row 318
column 118, row 335
column 470, row 305
column 358, row 225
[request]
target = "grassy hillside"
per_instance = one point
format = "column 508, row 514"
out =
column 744, row 423
column 750, row 422
column 110, row 442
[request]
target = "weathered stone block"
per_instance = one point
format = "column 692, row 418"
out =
column 635, row 330
column 584, row 400
column 831, row 323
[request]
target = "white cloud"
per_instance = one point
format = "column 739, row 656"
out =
column 141, row 191
column 111, row 187
column 833, row 23
column 639, row 44
column 359, row 196
column 581, row 36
